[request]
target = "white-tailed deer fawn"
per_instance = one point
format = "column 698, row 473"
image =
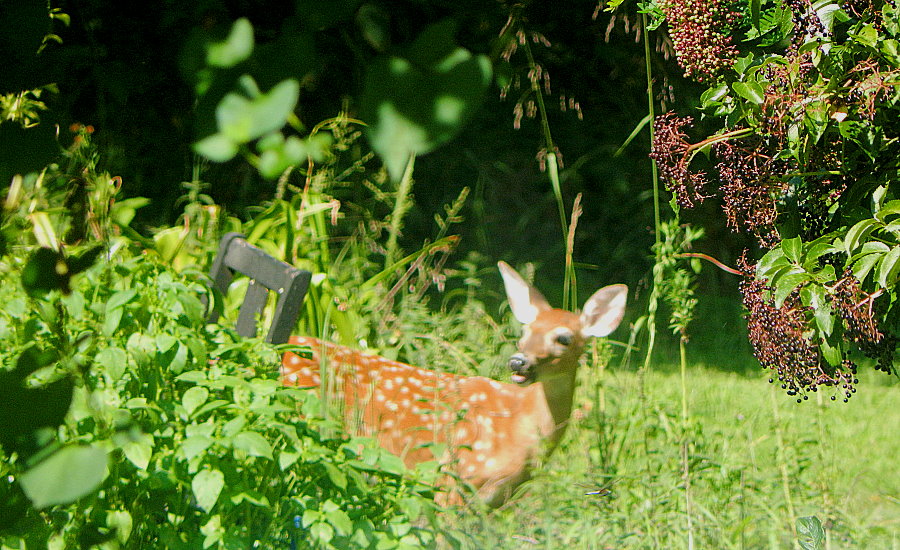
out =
column 493, row 433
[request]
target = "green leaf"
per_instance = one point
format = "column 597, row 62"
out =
column 254, row 444
column 217, row 147
column 337, row 518
column 887, row 269
column 65, row 476
column 243, row 120
column 235, row 48
column 859, row 233
column 193, row 398
column 810, row 533
column 786, row 284
column 195, row 445
column 814, row 297
column 114, row 362
column 207, row 485
column 772, row 261
column 862, row 267
column 892, row 208
column 831, row 351
column 793, row 249
column 120, row 298
column 416, row 103
column 139, row 451
column 751, row 90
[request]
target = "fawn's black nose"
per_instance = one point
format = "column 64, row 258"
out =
column 521, row 368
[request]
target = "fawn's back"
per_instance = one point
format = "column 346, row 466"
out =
column 492, row 433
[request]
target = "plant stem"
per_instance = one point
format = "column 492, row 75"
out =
column 401, row 206
column 552, row 163
column 685, row 445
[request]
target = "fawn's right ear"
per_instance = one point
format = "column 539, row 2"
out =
column 524, row 300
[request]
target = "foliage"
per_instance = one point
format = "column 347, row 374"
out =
column 181, row 433
column 805, row 161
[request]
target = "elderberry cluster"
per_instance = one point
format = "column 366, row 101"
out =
column 750, row 185
column 806, row 20
column 701, row 34
column 779, row 338
column 670, row 151
column 856, row 309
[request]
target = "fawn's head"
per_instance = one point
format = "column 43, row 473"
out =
column 553, row 339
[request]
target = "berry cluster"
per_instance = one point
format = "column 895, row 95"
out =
column 701, row 33
column 806, row 21
column 750, row 185
column 856, row 309
column 779, row 336
column 671, row 152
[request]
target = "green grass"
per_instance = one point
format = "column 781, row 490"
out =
column 836, row 461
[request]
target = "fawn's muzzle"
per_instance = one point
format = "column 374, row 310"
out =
column 522, row 369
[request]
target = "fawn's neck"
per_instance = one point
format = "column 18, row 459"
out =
column 557, row 393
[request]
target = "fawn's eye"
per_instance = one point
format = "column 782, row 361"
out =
column 564, row 339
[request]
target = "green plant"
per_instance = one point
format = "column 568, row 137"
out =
column 181, row 432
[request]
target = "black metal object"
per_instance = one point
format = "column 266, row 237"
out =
column 266, row 274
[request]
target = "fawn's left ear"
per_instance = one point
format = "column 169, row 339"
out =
column 604, row 310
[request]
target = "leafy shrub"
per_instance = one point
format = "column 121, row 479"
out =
column 805, row 161
column 192, row 438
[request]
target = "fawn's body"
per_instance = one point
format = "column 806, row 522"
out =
column 493, row 432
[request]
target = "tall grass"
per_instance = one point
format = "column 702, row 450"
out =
column 755, row 464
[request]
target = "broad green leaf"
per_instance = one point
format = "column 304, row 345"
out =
column 242, row 119
column 892, row 208
column 751, row 91
column 194, row 446
column 786, row 284
column 234, row 426
column 121, row 522
column 254, row 444
column 114, row 362
column 207, row 485
column 413, row 104
column 337, row 518
column 193, row 398
column 887, row 269
column 111, row 321
column 810, row 533
column 336, row 476
column 321, row 532
column 120, row 298
column 831, row 350
column 286, row 459
column 218, row 147
column 165, row 342
column 139, row 451
column 862, row 267
column 771, row 261
column 235, row 48
column 793, row 249
column 859, row 233
column 65, row 476
column 814, row 296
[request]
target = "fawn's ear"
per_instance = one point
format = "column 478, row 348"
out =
column 604, row 310
column 524, row 300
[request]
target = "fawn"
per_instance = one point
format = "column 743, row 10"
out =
column 493, row 433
